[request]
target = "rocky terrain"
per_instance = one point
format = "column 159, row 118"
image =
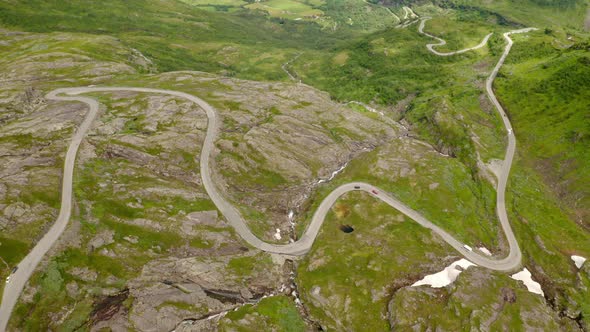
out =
column 419, row 308
column 138, row 192
column 139, row 199
column 147, row 250
column 34, row 134
column 279, row 140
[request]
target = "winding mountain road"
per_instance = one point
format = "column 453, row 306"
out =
column 27, row 266
column 442, row 42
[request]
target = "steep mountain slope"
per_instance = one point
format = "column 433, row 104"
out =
column 147, row 248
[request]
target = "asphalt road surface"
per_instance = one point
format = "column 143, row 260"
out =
column 27, row 266
column 442, row 42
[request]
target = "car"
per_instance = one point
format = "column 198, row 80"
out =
column 375, row 192
column 467, row 247
column 14, row 269
column 8, row 279
column 357, row 187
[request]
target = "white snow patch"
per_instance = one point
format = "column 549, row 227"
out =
column 578, row 260
column 278, row 234
column 446, row 276
column 531, row 285
column 485, row 251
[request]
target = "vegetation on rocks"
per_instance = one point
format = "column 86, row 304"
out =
column 146, row 247
column 276, row 313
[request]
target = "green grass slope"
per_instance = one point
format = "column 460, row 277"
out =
column 541, row 13
column 547, row 96
column 193, row 40
column 544, row 87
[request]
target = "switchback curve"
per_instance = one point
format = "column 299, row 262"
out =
column 442, row 42
column 29, row 263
